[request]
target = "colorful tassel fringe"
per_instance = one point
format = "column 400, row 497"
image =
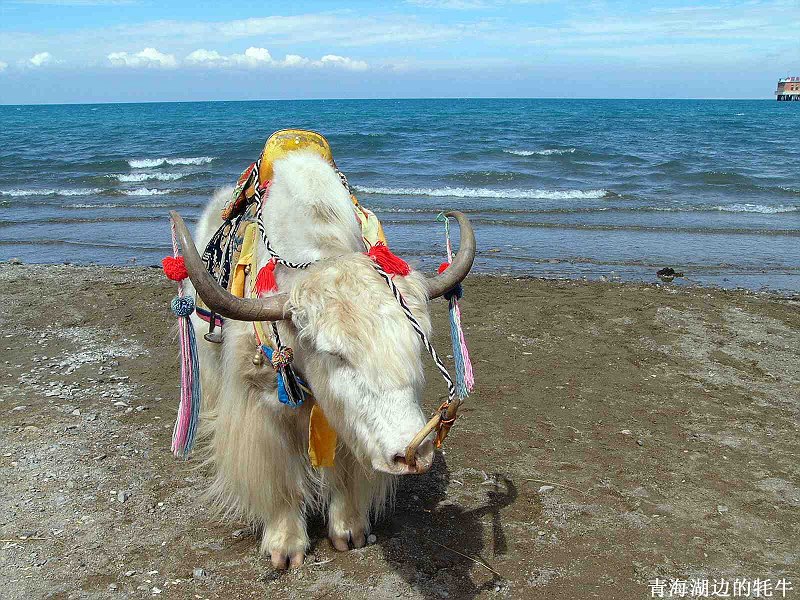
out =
column 185, row 430
column 265, row 280
column 465, row 378
column 390, row 263
column 289, row 391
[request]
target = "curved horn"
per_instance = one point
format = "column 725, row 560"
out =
column 217, row 298
column 455, row 273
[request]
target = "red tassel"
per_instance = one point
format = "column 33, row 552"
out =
column 265, row 281
column 443, row 267
column 174, row 268
column 392, row 264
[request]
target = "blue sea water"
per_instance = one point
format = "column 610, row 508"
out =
column 557, row 188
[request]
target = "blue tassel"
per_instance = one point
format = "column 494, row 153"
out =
column 196, row 395
column 289, row 392
column 458, row 353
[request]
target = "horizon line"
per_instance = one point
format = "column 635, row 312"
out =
column 116, row 102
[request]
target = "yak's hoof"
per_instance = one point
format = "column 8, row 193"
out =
column 342, row 543
column 280, row 560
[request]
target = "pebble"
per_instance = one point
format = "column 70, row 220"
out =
column 91, row 417
column 372, row 538
column 76, row 412
column 626, row 432
column 640, row 442
column 122, row 496
column 19, row 408
column 663, row 509
column 112, row 586
column 240, row 533
column 546, row 488
column 130, row 573
column 721, row 508
column 199, row 572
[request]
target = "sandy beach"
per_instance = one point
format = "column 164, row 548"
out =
column 618, row 433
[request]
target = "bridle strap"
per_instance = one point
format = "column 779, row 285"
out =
column 442, row 420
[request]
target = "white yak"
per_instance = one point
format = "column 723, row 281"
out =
column 352, row 344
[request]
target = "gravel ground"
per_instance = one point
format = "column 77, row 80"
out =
column 618, row 433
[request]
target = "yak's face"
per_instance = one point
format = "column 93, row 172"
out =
column 363, row 359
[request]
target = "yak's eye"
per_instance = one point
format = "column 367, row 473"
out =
column 335, row 356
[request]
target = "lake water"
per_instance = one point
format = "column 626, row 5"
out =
column 558, row 188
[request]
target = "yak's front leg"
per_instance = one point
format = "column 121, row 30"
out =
column 355, row 493
column 259, row 467
column 285, row 536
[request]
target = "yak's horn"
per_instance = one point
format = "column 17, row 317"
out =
column 217, row 298
column 462, row 263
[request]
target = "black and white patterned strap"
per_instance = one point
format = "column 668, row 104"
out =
column 451, row 390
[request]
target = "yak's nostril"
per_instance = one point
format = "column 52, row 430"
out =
column 399, row 459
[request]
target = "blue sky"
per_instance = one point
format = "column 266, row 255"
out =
column 129, row 50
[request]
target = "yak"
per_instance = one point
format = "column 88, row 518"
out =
column 353, row 345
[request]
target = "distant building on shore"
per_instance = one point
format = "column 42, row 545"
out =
column 788, row 88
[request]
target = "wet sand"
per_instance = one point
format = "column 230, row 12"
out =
column 662, row 423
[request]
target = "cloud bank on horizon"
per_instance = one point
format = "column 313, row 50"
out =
column 129, row 50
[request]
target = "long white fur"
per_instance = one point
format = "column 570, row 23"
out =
column 352, row 344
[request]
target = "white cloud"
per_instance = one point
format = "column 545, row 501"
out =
column 342, row 61
column 202, row 56
column 42, row 58
column 3, row 66
column 252, row 57
column 149, row 57
column 260, row 57
column 294, row 60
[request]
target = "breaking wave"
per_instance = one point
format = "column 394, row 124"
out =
column 461, row 192
column 117, row 205
column 137, row 177
column 545, row 152
column 145, row 192
column 149, row 163
column 51, row 192
column 757, row 208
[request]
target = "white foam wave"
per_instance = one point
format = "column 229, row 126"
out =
column 51, row 192
column 117, row 205
column 137, row 177
column 757, row 208
column 545, row 152
column 149, row 163
column 145, row 192
column 461, row 192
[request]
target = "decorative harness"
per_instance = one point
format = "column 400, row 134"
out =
column 291, row 388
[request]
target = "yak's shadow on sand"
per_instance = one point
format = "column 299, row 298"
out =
column 434, row 543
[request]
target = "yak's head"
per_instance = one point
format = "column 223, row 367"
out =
column 352, row 339
column 364, row 359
